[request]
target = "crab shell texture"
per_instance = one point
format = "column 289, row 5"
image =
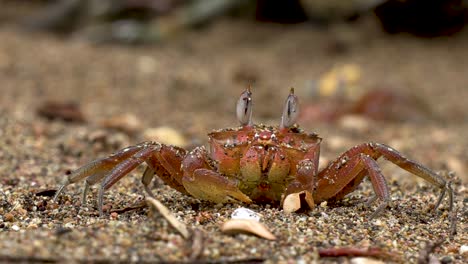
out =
column 263, row 159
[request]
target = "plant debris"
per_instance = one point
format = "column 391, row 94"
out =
column 247, row 226
column 66, row 111
column 166, row 213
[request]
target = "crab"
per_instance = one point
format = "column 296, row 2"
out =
column 255, row 163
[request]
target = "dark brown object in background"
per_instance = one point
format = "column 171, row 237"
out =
column 66, row 111
column 390, row 105
column 285, row 12
column 382, row 104
column 423, row 18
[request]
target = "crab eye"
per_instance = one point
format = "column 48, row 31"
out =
column 290, row 111
column 244, row 108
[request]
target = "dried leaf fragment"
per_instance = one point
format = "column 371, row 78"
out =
column 247, row 226
column 66, row 111
column 166, row 213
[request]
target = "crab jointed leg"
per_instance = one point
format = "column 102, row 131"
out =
column 160, row 159
column 344, row 174
column 96, row 170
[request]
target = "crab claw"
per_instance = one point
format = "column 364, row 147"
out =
column 209, row 185
column 204, row 183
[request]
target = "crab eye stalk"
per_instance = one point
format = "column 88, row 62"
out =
column 290, row 110
column 244, row 108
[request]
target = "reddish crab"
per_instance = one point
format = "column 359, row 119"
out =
column 255, row 163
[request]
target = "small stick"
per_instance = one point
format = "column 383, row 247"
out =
column 166, row 213
column 197, row 245
column 353, row 252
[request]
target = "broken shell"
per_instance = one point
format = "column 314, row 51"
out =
column 166, row 213
column 292, row 202
column 247, row 226
column 244, row 213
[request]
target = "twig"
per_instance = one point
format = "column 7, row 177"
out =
column 166, row 213
column 197, row 245
column 354, row 252
column 132, row 207
column 26, row 259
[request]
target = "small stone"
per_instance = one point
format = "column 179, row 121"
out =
column 337, row 142
column 9, row 217
column 21, row 211
column 446, row 259
column 456, row 165
column 166, row 135
column 15, row 228
column 146, row 65
column 354, row 123
column 106, row 207
column 114, row 215
column 362, row 260
column 378, row 222
column 463, row 249
column 127, row 123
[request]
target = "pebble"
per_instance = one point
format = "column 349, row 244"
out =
column 8, row 217
column 165, row 135
column 114, row 215
column 463, row 249
column 362, row 260
column 128, row 123
column 354, row 123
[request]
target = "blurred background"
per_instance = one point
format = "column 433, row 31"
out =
column 80, row 79
column 106, row 74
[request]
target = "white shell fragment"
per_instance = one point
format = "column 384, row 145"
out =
column 166, row 213
column 363, row 260
column 244, row 213
column 463, row 249
column 247, row 226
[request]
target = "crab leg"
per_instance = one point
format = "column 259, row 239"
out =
column 378, row 182
column 96, row 170
column 123, row 169
column 163, row 160
column 417, row 169
column 344, row 174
